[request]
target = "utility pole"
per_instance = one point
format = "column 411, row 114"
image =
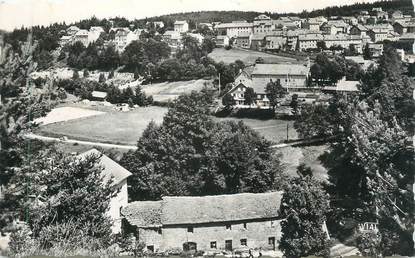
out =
column 287, row 131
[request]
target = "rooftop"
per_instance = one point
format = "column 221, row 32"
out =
column 204, row 209
column 110, row 167
column 234, row 25
column 280, row 69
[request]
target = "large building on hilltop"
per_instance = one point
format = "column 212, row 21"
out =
column 208, row 223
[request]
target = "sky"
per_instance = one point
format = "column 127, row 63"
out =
column 15, row 13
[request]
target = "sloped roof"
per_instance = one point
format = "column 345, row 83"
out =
column 280, row 69
column 99, row 94
column 110, row 167
column 203, row 209
column 143, row 214
column 180, row 22
column 234, row 25
column 262, row 17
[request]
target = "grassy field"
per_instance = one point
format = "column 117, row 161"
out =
column 112, row 127
column 272, row 130
column 292, row 157
column 247, row 56
column 170, row 90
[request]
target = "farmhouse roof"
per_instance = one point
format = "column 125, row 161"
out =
column 99, row 94
column 144, row 214
column 180, row 22
column 280, row 69
column 203, row 209
column 111, row 169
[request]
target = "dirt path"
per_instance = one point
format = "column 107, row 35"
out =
column 100, row 144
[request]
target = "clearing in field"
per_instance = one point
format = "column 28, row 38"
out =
column 166, row 91
column 247, row 56
column 112, row 127
column 62, row 114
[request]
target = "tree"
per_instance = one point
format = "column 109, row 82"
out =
column 294, row 104
column 321, row 45
column 228, row 101
column 86, row 73
column 275, row 92
column 304, row 205
column 75, row 75
column 249, row 96
column 102, row 78
column 189, row 141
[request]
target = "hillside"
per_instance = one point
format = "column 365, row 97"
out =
column 406, row 6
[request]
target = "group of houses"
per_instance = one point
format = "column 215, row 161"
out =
column 206, row 223
column 292, row 77
column 294, row 33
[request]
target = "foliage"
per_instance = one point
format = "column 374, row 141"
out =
column 189, row 141
column 275, row 92
column 228, row 101
column 304, row 205
column 369, row 244
column 249, row 96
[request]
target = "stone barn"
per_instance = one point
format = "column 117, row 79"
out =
column 207, row 223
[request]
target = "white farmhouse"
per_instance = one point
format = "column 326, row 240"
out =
column 181, row 26
column 119, row 175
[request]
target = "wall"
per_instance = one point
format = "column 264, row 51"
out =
column 173, row 237
column 293, row 80
column 118, row 201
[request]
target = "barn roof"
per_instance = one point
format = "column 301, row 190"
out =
column 280, row 69
column 110, row 167
column 203, row 209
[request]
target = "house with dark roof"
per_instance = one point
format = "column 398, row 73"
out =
column 111, row 170
column 208, row 223
column 289, row 75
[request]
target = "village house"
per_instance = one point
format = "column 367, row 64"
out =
column 379, row 32
column 406, row 42
column 262, row 24
column 156, row 24
column 206, row 25
column 276, row 40
column 314, row 24
column 379, row 13
column 94, row 33
column 342, row 40
column 375, row 49
column 309, row 41
column 403, row 27
column 99, row 95
column 243, row 40
column 351, row 20
column 81, row 36
column 335, row 27
column 234, row 29
column 258, row 41
column 113, row 171
column 124, row 37
column 359, row 30
column 222, row 41
column 173, row 39
column 206, row 223
column 289, row 75
column 72, row 30
column 181, row 26
column 197, row 36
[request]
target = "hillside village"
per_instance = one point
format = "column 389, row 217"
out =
column 297, row 147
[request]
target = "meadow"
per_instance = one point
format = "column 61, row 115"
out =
column 247, row 56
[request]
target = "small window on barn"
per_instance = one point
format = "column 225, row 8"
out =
column 244, row 242
column 190, row 229
column 213, row 245
column 273, row 223
column 228, row 226
column 159, row 231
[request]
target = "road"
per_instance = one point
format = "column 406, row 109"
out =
column 100, row 144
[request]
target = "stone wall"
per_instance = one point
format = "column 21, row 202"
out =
column 256, row 232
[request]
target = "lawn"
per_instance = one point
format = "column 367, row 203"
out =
column 273, row 130
column 112, row 127
column 247, row 56
column 166, row 91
